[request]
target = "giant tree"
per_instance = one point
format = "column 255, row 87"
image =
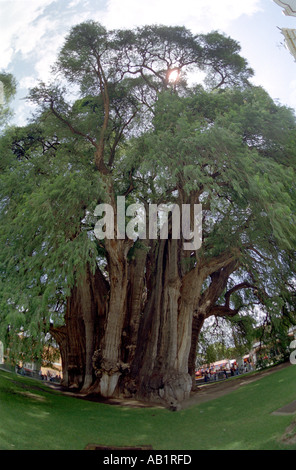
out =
column 127, row 311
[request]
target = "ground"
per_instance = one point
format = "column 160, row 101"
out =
column 218, row 389
column 203, row 393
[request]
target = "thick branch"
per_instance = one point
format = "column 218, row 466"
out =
column 223, row 311
column 99, row 155
column 226, row 310
column 118, row 138
column 212, row 293
column 242, row 285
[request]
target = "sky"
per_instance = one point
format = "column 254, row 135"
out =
column 33, row 31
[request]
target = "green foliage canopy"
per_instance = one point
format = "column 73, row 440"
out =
column 225, row 145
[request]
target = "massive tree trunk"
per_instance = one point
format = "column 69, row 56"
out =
column 81, row 334
column 160, row 367
column 110, row 365
column 136, row 299
column 137, row 334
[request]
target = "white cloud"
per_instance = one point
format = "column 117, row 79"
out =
column 32, row 34
column 6, row 54
column 292, row 94
column 23, row 112
column 32, row 31
column 26, row 30
column 16, row 21
column 197, row 15
column 27, row 82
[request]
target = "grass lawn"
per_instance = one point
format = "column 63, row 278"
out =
column 33, row 417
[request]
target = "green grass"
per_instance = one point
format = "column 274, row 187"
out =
column 34, row 417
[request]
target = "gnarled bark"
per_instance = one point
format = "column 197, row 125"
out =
column 157, row 371
column 137, row 334
column 111, row 366
column 81, row 334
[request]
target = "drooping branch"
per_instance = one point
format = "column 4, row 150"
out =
column 70, row 126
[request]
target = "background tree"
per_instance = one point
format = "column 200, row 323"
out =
column 127, row 313
column 7, row 92
column 226, row 338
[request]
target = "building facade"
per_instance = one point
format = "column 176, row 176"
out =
column 289, row 9
column 289, row 6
